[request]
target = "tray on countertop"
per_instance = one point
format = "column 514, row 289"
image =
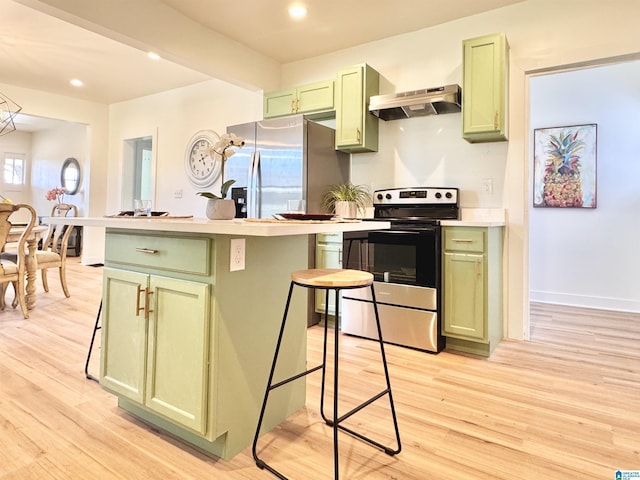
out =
column 285, row 221
column 154, row 215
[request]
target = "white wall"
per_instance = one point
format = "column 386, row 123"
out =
column 50, row 148
column 173, row 117
column 589, row 257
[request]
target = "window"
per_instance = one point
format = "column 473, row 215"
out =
column 13, row 169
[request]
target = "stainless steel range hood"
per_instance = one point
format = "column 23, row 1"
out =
column 417, row 103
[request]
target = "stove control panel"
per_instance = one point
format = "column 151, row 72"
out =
column 416, row 196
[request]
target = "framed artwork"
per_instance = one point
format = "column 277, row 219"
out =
column 564, row 170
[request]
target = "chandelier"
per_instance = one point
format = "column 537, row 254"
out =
column 8, row 110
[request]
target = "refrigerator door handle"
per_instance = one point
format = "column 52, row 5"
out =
column 252, row 186
column 257, row 179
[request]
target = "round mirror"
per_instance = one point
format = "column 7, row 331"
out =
column 70, row 176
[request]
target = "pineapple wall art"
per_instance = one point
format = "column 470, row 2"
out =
column 565, row 167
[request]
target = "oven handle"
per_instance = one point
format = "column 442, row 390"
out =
column 400, row 237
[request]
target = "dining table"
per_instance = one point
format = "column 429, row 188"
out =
column 30, row 259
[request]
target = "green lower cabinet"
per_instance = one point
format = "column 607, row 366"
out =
column 177, row 351
column 472, row 288
column 124, row 335
column 155, row 344
column 464, row 297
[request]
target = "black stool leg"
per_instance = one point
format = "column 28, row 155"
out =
column 387, row 450
column 96, row 327
column 324, row 354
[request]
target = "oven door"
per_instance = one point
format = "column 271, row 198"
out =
column 406, row 256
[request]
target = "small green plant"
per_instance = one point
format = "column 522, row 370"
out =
column 346, row 192
column 224, row 190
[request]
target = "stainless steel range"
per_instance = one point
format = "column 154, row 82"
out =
column 405, row 262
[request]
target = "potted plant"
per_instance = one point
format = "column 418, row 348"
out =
column 347, row 199
column 218, row 206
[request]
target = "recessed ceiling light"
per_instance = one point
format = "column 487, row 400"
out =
column 153, row 55
column 297, row 11
column 76, row 83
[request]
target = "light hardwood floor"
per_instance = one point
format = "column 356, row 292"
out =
column 564, row 409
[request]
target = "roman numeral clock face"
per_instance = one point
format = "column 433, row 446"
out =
column 202, row 166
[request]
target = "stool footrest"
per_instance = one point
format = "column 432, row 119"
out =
column 362, row 405
column 382, row 447
column 295, row 377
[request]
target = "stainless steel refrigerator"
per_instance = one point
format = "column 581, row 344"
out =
column 283, row 159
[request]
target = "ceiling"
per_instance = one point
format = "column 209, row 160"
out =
column 42, row 48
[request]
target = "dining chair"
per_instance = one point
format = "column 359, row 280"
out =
column 53, row 253
column 13, row 267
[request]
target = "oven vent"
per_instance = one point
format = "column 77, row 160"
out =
column 417, row 103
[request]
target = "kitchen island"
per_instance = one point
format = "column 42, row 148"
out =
column 187, row 343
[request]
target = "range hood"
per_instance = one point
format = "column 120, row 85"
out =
column 417, row 103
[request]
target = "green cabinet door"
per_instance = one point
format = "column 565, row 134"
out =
column 464, row 295
column 124, row 333
column 356, row 128
column 177, row 361
column 314, row 97
column 282, row 102
column 485, row 87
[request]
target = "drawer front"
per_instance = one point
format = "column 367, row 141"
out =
column 335, row 237
column 464, row 240
column 178, row 254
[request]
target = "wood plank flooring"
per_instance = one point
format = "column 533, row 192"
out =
column 563, row 406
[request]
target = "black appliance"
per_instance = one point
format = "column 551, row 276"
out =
column 406, row 264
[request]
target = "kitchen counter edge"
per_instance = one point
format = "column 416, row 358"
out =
column 472, row 223
column 221, row 227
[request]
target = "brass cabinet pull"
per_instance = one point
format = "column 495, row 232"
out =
column 147, row 296
column 138, row 307
column 358, row 135
column 462, row 240
column 478, row 268
column 293, row 105
column 146, row 250
column 495, row 121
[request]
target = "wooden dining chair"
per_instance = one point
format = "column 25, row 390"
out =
column 13, row 267
column 53, row 253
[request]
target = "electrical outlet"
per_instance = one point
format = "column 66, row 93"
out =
column 236, row 262
column 487, row 185
column 177, row 194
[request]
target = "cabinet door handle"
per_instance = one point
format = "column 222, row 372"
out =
column 293, row 105
column 358, row 135
column 138, row 307
column 146, row 250
column 147, row 296
column 461, row 240
column 495, row 121
column 478, row 268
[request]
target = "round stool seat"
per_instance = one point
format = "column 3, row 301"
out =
column 332, row 277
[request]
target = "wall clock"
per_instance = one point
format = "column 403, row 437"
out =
column 201, row 165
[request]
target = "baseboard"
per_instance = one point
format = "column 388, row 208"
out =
column 586, row 301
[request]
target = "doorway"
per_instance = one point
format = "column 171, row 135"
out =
column 586, row 257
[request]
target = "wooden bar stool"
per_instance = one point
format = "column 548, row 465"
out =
column 336, row 280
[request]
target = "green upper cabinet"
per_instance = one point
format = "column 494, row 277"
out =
column 312, row 98
column 356, row 128
column 485, row 88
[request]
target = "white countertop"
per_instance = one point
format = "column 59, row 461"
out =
column 477, row 217
column 222, row 227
